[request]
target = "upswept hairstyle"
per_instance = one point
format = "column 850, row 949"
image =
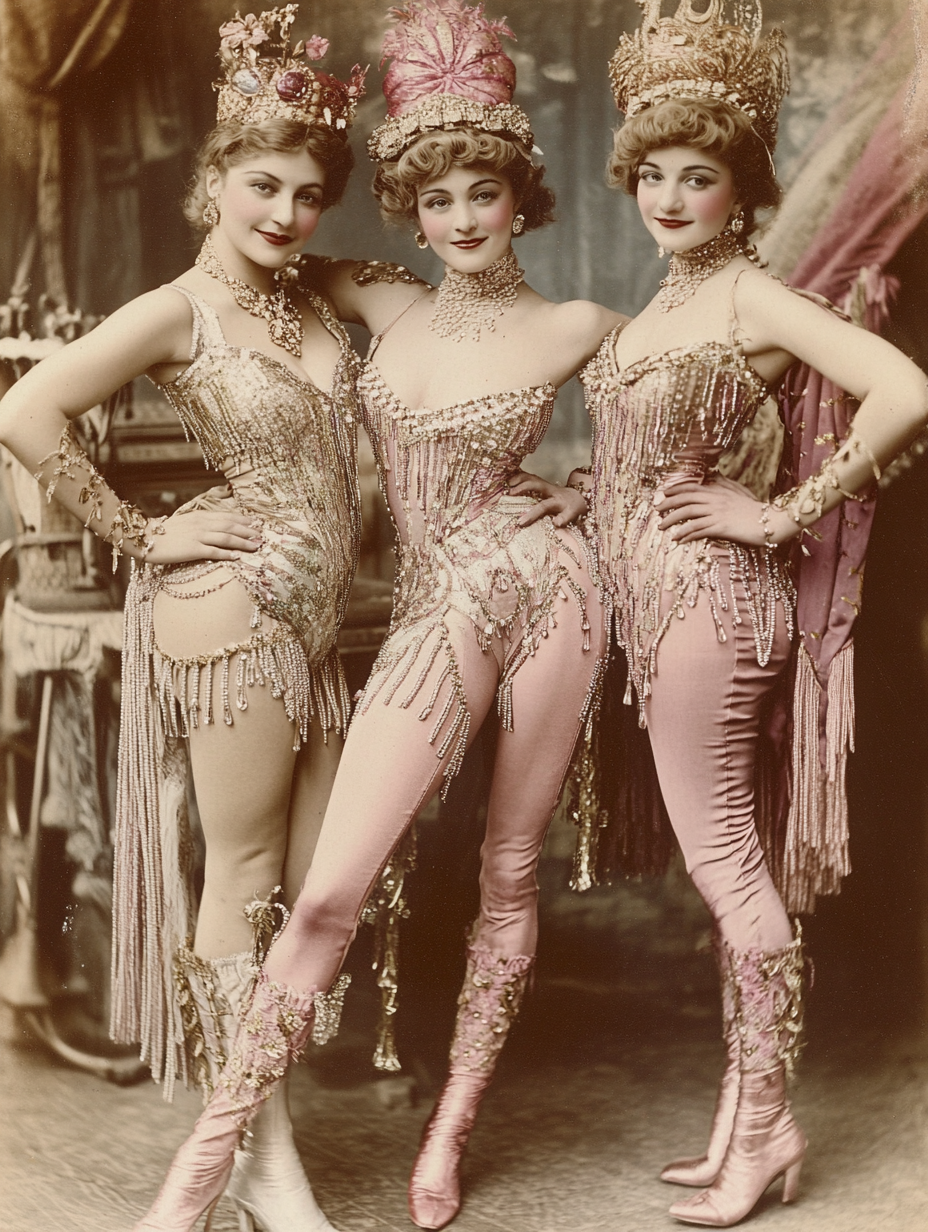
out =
column 396, row 184
column 705, row 124
column 230, row 144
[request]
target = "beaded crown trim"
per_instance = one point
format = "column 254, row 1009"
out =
column 447, row 111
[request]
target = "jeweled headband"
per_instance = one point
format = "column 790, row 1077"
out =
column 448, row 69
column 701, row 55
column 265, row 78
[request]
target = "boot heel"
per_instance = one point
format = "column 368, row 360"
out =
column 791, row 1181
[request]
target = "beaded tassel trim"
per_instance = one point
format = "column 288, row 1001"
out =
column 490, row 998
column 768, row 1005
column 185, row 686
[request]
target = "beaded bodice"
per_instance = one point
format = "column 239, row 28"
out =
column 245, row 407
column 439, row 469
column 666, row 416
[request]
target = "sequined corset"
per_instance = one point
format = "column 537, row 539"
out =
column 440, row 469
column 288, row 451
column 664, row 418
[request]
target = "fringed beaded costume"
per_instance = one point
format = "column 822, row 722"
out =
column 663, row 419
column 287, row 449
column 444, row 475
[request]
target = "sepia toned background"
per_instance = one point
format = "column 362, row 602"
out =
column 610, row 1071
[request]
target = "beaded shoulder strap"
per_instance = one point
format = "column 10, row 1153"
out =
column 604, row 363
column 207, row 331
column 378, row 338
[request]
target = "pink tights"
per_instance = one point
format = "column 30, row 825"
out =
column 388, row 771
column 703, row 720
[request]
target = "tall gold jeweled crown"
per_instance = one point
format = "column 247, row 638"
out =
column 265, row 78
column 700, row 54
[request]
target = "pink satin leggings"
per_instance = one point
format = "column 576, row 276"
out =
column 388, row 771
column 703, row 719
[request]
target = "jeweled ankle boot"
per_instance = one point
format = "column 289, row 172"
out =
column 271, row 1034
column 489, row 1001
column 704, row 1170
column 766, row 1142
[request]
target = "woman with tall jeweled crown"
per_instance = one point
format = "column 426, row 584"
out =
column 496, row 604
column 244, row 586
column 696, row 566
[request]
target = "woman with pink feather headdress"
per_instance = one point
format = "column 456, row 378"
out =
column 496, row 600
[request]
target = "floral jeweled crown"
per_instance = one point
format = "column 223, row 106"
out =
column 448, row 69
column 701, row 55
column 265, row 78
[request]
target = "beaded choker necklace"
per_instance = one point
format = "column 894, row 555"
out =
column 284, row 323
column 689, row 269
column 468, row 303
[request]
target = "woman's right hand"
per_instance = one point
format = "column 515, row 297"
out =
column 202, row 535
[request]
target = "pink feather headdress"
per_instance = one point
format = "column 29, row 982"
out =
column 448, row 69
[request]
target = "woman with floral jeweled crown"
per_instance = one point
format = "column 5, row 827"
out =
column 692, row 562
column 496, row 601
column 244, row 586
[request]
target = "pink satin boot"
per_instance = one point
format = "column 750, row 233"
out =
column 766, row 1142
column 703, row 1171
column 271, row 1034
column 489, row 1001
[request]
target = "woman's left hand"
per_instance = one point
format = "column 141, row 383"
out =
column 561, row 505
column 719, row 509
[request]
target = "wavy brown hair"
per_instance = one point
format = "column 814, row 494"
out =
column 704, row 124
column 397, row 184
column 230, row 144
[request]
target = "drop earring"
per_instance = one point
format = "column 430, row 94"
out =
column 518, row 224
column 211, row 213
column 421, row 241
column 660, row 251
column 737, row 223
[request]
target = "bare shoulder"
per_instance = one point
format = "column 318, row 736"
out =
column 586, row 322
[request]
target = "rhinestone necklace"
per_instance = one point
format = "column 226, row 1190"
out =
column 468, row 303
column 691, row 268
column 284, row 323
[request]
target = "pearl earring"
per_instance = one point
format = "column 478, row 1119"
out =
column 421, row 241
column 737, row 223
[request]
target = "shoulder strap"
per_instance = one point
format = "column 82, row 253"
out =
column 378, row 338
column 207, row 331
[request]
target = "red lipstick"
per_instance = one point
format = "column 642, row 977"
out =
column 279, row 241
column 475, row 243
column 672, row 223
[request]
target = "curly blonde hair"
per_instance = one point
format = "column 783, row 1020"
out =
column 704, row 124
column 230, row 144
column 397, row 184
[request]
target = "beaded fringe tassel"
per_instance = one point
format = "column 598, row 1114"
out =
column 816, row 856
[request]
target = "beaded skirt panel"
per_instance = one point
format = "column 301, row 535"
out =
column 666, row 418
column 444, row 474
